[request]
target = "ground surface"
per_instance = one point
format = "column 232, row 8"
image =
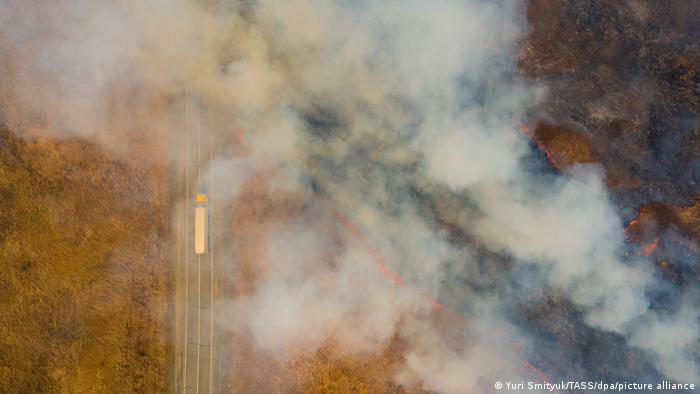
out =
column 83, row 279
column 623, row 82
column 84, row 237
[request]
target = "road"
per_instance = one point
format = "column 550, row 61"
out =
column 195, row 318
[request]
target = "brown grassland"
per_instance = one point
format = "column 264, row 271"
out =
column 83, row 278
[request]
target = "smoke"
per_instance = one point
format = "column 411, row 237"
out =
column 379, row 108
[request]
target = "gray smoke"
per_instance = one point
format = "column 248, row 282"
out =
column 384, row 105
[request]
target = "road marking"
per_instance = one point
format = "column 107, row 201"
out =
column 211, row 267
column 199, row 315
column 199, row 257
column 187, row 240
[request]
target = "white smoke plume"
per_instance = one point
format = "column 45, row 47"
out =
column 383, row 105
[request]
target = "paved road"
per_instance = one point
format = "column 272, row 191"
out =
column 195, row 367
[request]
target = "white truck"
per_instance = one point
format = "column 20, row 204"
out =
column 201, row 233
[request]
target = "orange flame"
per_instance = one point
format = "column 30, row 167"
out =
column 647, row 249
column 631, row 224
column 524, row 129
column 377, row 256
column 632, row 233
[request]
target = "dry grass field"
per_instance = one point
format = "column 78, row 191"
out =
column 83, row 279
